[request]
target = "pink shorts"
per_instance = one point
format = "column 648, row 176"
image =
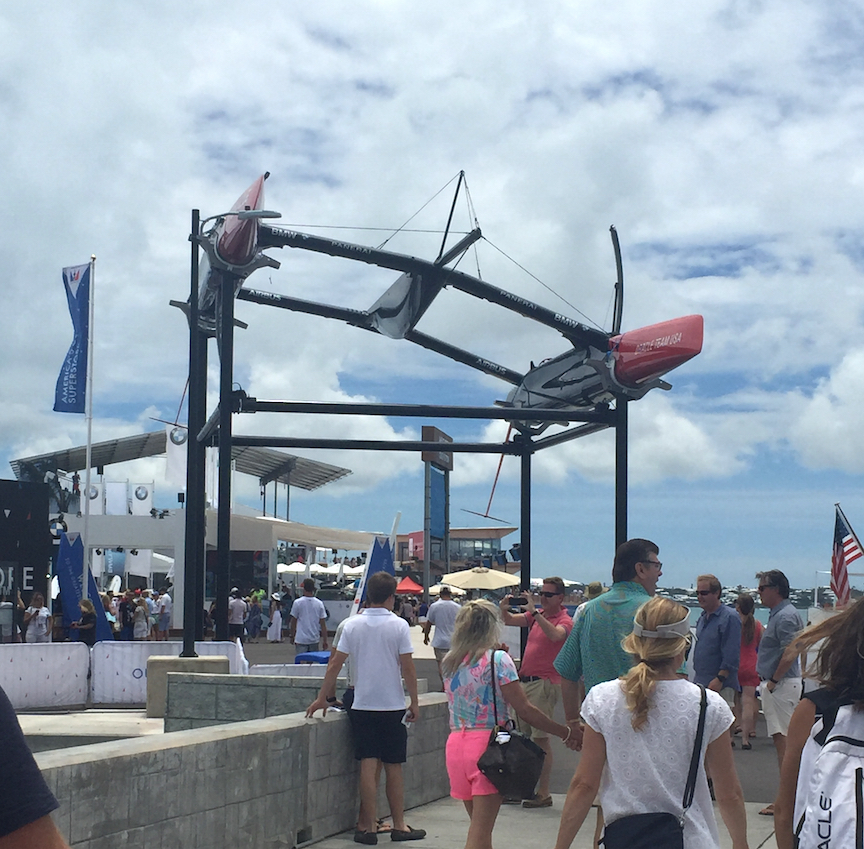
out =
column 463, row 750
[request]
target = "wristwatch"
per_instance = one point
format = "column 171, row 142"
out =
column 721, row 678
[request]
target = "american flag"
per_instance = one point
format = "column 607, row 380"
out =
column 846, row 550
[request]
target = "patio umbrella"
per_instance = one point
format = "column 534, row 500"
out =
column 480, row 578
column 435, row 589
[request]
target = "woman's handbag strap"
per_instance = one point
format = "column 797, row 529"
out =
column 697, row 748
column 494, row 700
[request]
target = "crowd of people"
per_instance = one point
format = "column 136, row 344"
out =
column 619, row 667
column 132, row 615
column 653, row 740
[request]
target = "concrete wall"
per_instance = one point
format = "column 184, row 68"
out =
column 274, row 782
column 198, row 700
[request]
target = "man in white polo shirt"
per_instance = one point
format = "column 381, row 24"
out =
column 379, row 645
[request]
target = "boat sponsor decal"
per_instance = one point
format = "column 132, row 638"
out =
column 660, row 342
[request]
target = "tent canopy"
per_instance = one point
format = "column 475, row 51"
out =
column 406, row 585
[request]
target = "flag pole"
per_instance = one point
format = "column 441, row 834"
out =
column 88, row 414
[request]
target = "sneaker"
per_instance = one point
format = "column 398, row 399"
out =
column 408, row 834
column 538, row 802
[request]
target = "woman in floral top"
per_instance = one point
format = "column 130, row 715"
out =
column 467, row 669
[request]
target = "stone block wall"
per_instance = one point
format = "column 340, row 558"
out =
column 264, row 783
column 196, row 700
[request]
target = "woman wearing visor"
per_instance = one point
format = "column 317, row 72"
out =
column 639, row 737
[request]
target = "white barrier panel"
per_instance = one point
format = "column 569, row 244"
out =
column 120, row 668
column 41, row 675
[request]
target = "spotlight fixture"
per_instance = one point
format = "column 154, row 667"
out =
column 133, row 552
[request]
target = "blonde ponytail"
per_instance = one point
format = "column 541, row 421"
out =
column 652, row 656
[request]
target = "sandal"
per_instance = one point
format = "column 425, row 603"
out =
column 746, row 746
column 383, row 827
column 767, row 811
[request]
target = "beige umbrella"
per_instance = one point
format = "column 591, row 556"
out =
column 435, row 589
column 480, row 578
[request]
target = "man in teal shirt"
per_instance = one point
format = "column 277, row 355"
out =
column 593, row 649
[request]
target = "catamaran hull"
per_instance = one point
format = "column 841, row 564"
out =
column 632, row 364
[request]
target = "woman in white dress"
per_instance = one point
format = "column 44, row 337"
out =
column 639, row 736
column 141, row 620
column 274, row 629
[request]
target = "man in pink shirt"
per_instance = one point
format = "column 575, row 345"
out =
column 549, row 625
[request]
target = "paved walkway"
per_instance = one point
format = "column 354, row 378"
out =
column 446, row 824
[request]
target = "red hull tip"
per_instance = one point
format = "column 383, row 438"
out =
column 238, row 243
column 650, row 352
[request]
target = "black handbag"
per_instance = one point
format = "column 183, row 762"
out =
column 512, row 761
column 660, row 830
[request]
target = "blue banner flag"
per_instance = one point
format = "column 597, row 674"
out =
column 70, row 568
column 380, row 559
column 72, row 384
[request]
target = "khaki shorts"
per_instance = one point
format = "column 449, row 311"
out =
column 544, row 695
column 778, row 706
column 440, row 654
column 728, row 695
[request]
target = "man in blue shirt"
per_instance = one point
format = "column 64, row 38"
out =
column 780, row 673
column 717, row 653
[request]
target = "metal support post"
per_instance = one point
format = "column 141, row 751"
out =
column 524, row 442
column 621, row 426
column 193, row 577
column 226, row 404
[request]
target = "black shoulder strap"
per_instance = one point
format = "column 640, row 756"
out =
column 697, row 748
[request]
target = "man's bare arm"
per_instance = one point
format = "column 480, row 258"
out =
column 42, row 833
column 409, row 674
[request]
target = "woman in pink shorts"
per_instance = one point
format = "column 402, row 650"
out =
column 468, row 684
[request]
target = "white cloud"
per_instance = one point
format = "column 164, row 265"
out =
column 723, row 144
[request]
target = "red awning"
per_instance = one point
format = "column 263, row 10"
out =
column 406, row 585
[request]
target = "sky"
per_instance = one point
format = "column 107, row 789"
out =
column 722, row 139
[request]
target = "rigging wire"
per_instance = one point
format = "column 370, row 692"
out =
column 436, row 232
column 399, row 230
column 182, row 399
column 544, row 285
column 472, row 215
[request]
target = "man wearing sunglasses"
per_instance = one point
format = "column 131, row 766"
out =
column 781, row 676
column 717, row 653
column 548, row 627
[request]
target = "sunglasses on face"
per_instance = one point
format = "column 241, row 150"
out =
column 763, row 587
column 704, row 592
column 548, row 595
column 656, row 563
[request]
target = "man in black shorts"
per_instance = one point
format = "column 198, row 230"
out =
column 25, row 800
column 379, row 645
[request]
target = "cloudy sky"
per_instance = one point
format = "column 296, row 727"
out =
column 722, row 139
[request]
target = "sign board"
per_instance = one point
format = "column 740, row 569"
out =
column 440, row 459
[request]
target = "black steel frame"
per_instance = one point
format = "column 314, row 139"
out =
column 219, row 429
